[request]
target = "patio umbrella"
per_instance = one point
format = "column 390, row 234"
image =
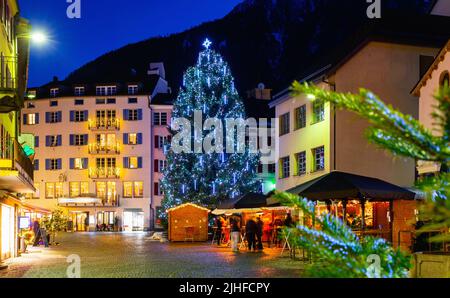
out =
column 341, row 185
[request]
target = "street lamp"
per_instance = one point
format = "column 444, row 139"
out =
column 38, row 37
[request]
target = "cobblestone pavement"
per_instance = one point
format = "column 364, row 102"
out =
column 136, row 255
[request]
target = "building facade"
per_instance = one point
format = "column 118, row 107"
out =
column 92, row 152
column 437, row 75
column 16, row 169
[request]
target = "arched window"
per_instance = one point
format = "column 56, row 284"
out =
column 445, row 79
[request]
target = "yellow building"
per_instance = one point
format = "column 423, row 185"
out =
column 16, row 168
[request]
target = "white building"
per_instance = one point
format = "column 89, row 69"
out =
column 92, row 152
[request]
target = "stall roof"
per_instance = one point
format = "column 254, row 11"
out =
column 249, row 200
column 341, row 185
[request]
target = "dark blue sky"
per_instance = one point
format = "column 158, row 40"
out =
column 106, row 25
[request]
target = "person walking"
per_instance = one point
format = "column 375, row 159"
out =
column 235, row 233
column 251, row 230
column 36, row 230
column 259, row 232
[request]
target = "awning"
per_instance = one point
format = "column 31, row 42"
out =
column 340, row 185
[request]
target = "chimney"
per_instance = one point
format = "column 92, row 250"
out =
column 157, row 68
column 260, row 92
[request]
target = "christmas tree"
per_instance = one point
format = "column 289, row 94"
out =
column 207, row 176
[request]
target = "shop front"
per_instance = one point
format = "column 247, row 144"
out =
column 133, row 220
column 8, row 232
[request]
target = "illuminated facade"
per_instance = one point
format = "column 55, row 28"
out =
column 93, row 156
column 16, row 169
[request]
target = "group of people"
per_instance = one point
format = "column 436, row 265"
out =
column 254, row 228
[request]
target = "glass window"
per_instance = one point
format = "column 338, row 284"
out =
column 53, row 103
column 84, row 187
column 132, row 100
column 79, row 140
column 54, row 164
column 54, row 117
column 53, row 93
column 284, row 167
column 319, row 158
column 132, row 89
column 50, row 190
column 133, row 115
column 284, row 124
column 79, row 102
column 138, row 189
column 74, row 189
column 79, row 91
column 318, row 110
column 128, row 189
column 100, row 101
column 159, row 118
column 132, row 138
column 133, row 162
column 301, row 163
column 111, row 101
column 31, row 119
column 300, row 117
column 79, row 116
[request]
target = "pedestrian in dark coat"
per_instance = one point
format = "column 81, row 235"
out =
column 259, row 232
column 251, row 229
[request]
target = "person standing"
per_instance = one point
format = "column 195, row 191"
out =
column 219, row 230
column 235, row 233
column 36, row 230
column 259, row 232
column 251, row 230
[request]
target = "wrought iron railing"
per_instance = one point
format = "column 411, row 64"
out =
column 106, row 172
column 104, row 124
column 8, row 73
column 97, row 148
column 10, row 149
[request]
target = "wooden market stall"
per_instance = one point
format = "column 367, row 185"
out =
column 188, row 222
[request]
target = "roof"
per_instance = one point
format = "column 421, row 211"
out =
column 424, row 79
column 68, row 89
column 249, row 200
column 164, row 99
column 418, row 30
column 341, row 185
column 186, row 205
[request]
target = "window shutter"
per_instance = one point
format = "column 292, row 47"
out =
column 85, row 139
column 156, row 189
column 156, row 142
column 139, row 138
column 156, row 165
column 36, row 141
column 59, row 116
column 72, row 140
column 37, row 118
column 47, row 164
column 125, row 114
column 47, row 141
column 85, row 163
column 25, row 119
column 139, row 162
column 47, row 117
column 72, row 116
column 126, row 163
column 86, row 115
column 139, row 114
column 72, row 163
column 59, row 140
column 59, row 163
column 125, row 139
column 36, row 164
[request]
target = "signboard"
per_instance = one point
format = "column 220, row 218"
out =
column 24, row 222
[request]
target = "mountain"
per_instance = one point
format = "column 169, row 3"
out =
column 267, row 41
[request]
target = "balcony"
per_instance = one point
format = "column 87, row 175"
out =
column 104, row 124
column 16, row 168
column 104, row 173
column 89, row 200
column 97, row 148
column 10, row 100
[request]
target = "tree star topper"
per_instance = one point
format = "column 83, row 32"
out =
column 207, row 43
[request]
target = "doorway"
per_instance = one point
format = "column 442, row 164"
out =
column 80, row 221
column 7, row 226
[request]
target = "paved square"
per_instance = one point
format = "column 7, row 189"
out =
column 129, row 255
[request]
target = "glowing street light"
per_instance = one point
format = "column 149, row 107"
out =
column 38, row 37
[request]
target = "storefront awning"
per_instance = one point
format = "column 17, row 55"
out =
column 340, row 185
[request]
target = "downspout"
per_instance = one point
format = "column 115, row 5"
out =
column 152, row 191
column 333, row 88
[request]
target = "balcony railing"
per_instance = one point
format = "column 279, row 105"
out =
column 10, row 98
column 90, row 200
column 14, row 159
column 103, row 173
column 104, row 149
column 104, row 124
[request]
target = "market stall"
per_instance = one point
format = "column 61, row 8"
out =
column 188, row 222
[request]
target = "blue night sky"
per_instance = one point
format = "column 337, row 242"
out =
column 106, row 25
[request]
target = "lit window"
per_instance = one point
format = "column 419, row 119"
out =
column 319, row 158
column 133, row 162
column 31, row 119
column 318, row 110
column 138, row 189
column 77, row 189
column 128, row 189
column 50, row 190
column 78, row 164
column 132, row 138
